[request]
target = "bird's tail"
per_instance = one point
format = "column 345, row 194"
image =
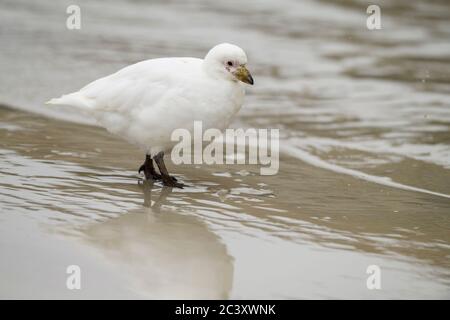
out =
column 72, row 99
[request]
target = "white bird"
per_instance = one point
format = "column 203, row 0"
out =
column 145, row 102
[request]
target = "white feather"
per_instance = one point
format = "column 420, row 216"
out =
column 145, row 102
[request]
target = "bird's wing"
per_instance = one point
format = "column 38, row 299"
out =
column 138, row 85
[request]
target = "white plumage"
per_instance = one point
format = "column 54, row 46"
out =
column 145, row 102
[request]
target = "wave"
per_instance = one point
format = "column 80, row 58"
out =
column 386, row 181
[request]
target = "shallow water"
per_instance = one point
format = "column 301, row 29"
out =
column 364, row 173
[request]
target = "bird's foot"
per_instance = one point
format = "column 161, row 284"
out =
column 149, row 175
column 172, row 182
column 173, row 178
column 167, row 180
column 155, row 176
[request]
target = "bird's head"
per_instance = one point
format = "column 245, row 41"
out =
column 228, row 61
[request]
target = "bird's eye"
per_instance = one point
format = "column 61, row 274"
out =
column 230, row 63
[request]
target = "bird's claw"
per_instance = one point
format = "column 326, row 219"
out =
column 151, row 175
column 172, row 183
column 155, row 176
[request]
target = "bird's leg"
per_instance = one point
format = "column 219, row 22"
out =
column 149, row 169
column 168, row 180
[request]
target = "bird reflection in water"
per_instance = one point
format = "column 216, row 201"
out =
column 167, row 254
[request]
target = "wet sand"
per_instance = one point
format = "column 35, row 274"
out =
column 76, row 200
column 363, row 174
